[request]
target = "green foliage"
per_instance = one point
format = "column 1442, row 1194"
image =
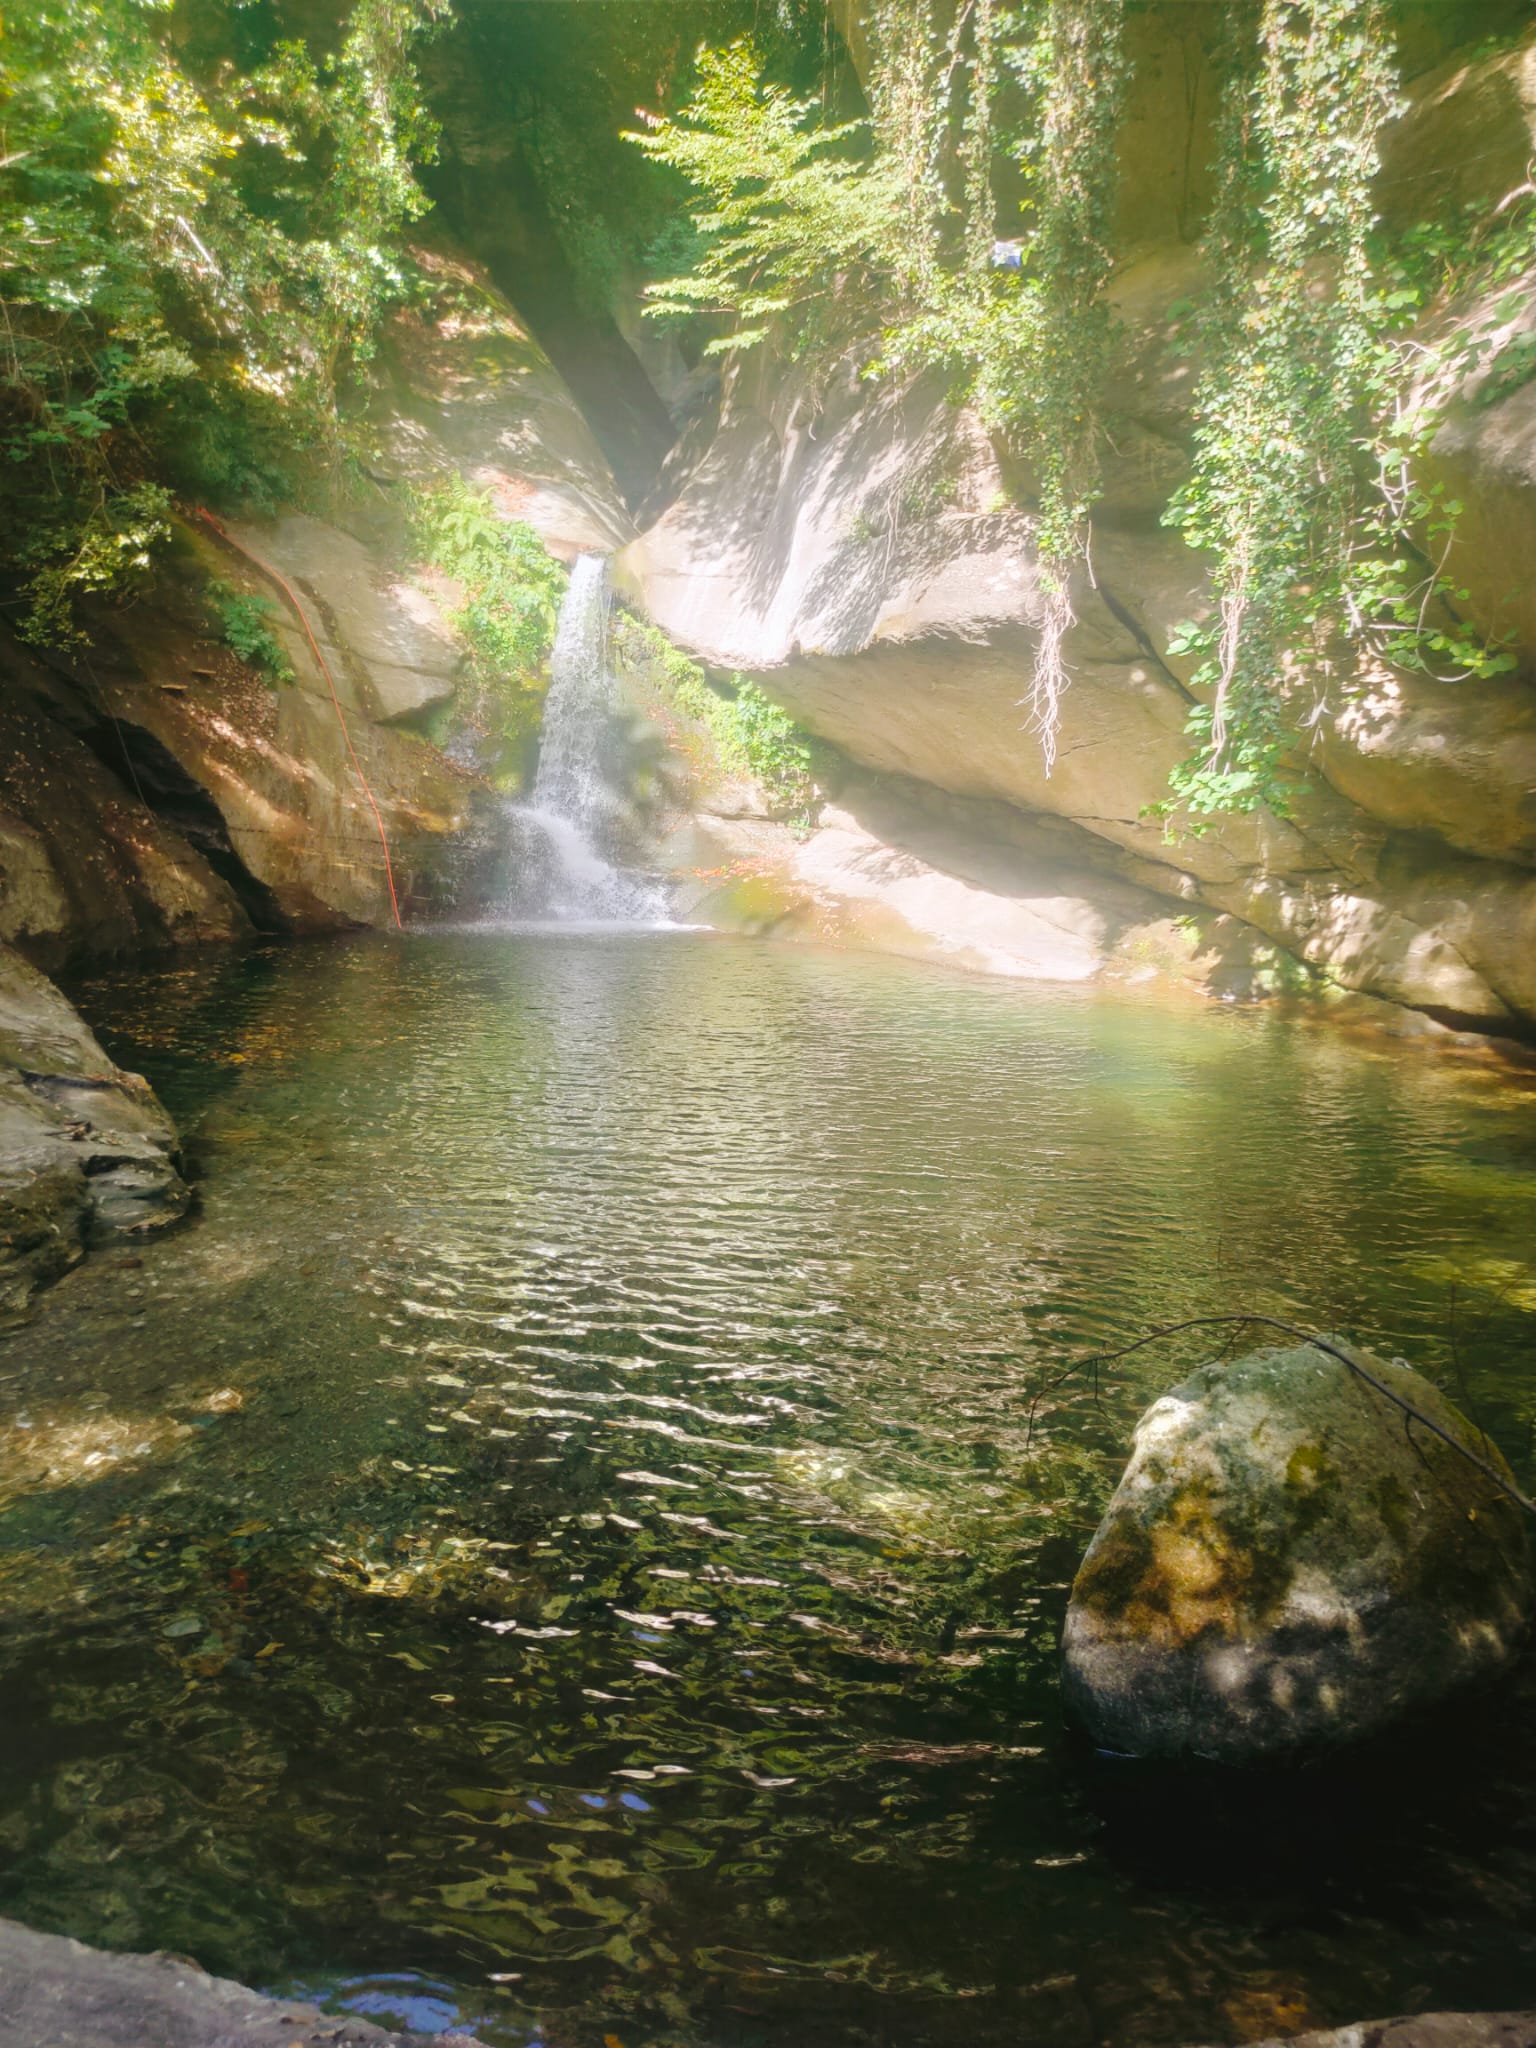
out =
column 1044, row 368
column 563, row 80
column 759, row 737
column 832, row 236
column 109, row 548
column 1290, row 340
column 512, row 587
column 245, row 623
column 792, row 226
column 1042, row 351
column 1305, row 489
column 1325, row 540
column 193, row 261
column 751, row 734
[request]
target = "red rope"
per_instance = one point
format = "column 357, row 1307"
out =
column 325, row 669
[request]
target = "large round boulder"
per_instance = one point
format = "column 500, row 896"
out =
column 1289, row 1563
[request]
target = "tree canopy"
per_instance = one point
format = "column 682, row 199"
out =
column 198, row 237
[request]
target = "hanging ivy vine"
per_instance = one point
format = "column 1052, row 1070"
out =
column 893, row 249
column 1291, row 340
column 1050, row 386
column 1034, row 346
column 1291, row 348
column 910, row 110
column 877, row 239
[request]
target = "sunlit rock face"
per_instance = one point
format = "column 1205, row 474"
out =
column 1285, row 1566
column 859, row 548
column 464, row 386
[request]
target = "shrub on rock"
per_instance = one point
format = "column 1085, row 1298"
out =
column 1289, row 1562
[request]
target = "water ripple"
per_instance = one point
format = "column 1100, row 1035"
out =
column 623, row 1598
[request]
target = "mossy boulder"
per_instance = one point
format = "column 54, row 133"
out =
column 1287, row 1564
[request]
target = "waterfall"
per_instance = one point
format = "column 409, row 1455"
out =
column 569, row 784
column 573, row 816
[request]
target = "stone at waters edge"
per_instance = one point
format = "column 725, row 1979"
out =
column 1423, row 2030
column 57, row 1993
column 86, row 1151
column 1286, row 1565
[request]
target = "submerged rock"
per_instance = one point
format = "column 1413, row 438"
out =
column 1287, row 1564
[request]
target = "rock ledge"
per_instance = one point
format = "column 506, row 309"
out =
column 1424, row 2030
column 57, row 1993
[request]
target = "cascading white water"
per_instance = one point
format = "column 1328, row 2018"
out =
column 569, row 783
column 572, row 810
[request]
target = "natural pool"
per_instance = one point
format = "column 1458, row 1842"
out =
column 556, row 1542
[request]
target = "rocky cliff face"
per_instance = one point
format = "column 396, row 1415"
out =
column 853, row 549
column 859, row 550
column 158, row 791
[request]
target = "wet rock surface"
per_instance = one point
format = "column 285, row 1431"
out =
column 57, row 1993
column 86, row 1151
column 1425, row 2030
column 1288, row 1564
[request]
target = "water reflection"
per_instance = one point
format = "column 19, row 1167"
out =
column 566, row 1546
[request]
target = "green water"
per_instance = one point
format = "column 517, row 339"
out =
column 557, row 1543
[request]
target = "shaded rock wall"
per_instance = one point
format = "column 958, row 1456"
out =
column 467, row 388
column 87, row 870
column 86, row 1151
column 489, row 195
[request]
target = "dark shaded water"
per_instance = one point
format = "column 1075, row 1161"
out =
column 556, row 1543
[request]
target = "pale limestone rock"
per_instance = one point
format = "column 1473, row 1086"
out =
column 852, row 547
column 1458, row 759
column 1047, row 936
column 281, row 775
column 1465, row 138
column 1423, row 2030
column 472, row 392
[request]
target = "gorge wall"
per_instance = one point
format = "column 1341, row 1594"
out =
column 858, row 550
column 862, row 552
